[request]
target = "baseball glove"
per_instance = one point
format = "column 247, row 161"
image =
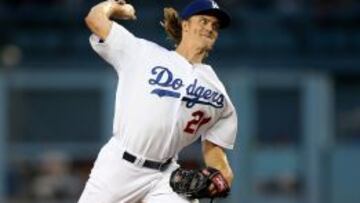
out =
column 195, row 183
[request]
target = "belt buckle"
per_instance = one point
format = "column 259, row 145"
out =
column 139, row 161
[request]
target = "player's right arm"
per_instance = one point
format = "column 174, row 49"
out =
column 98, row 19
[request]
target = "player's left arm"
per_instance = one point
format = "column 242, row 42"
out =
column 215, row 156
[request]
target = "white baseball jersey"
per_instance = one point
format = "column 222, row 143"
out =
column 164, row 103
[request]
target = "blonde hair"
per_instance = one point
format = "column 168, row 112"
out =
column 172, row 25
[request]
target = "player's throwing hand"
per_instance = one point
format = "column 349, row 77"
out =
column 123, row 10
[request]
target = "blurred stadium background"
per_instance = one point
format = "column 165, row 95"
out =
column 292, row 68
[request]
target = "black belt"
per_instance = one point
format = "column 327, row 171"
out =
column 148, row 163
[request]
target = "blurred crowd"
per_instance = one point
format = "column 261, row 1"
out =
column 50, row 178
column 259, row 26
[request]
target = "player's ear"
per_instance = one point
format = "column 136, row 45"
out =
column 185, row 25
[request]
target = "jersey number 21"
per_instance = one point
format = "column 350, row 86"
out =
column 193, row 125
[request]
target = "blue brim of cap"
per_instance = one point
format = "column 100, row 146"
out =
column 223, row 17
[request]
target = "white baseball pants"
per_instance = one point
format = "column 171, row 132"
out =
column 115, row 180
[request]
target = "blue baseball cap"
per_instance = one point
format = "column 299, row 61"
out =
column 206, row 7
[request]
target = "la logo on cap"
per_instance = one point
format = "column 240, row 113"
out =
column 214, row 4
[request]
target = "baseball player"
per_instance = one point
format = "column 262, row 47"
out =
column 165, row 100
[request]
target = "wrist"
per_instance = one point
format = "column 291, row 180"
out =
column 228, row 175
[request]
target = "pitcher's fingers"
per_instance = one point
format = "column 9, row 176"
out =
column 121, row 2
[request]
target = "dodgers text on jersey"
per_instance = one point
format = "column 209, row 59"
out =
column 167, row 85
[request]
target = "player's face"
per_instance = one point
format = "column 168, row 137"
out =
column 202, row 29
